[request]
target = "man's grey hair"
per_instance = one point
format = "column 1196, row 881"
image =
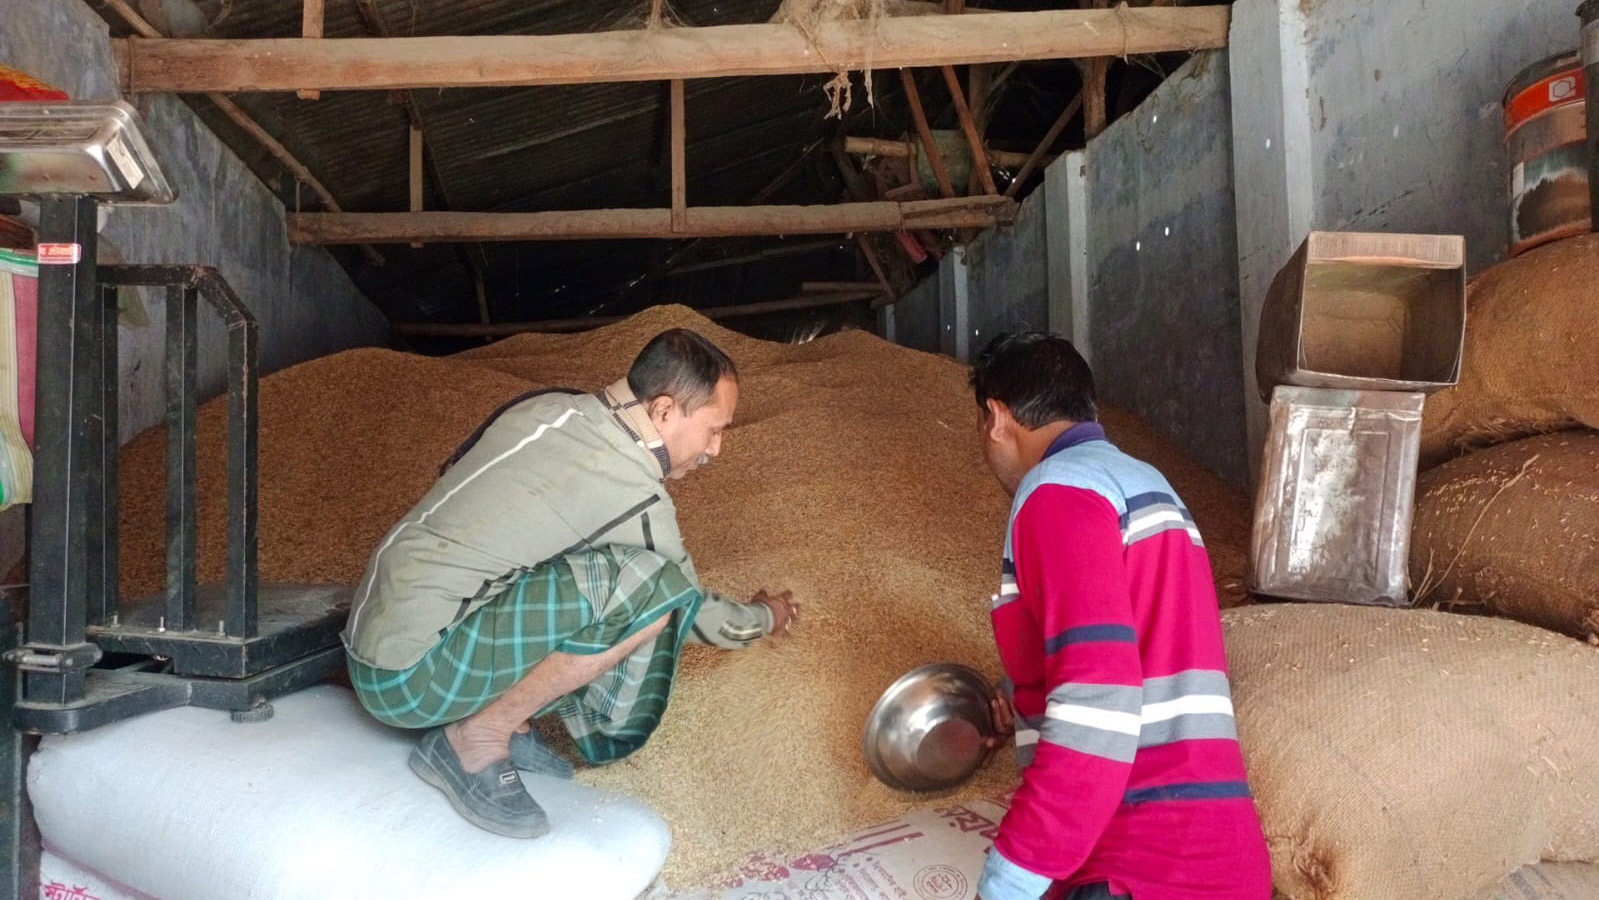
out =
column 680, row 364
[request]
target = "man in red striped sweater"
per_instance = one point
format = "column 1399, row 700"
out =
column 1133, row 782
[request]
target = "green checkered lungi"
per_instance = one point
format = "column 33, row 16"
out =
column 583, row 603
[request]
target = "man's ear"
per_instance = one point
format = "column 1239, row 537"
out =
column 997, row 422
column 659, row 407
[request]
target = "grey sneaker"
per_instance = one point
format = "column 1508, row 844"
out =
column 530, row 754
column 493, row 799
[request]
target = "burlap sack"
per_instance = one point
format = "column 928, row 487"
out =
column 1413, row 754
column 1513, row 530
column 1532, row 328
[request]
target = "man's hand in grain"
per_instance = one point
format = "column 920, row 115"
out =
column 785, row 610
column 1004, row 724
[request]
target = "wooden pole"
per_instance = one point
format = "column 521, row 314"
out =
column 603, row 224
column 919, row 115
column 679, row 165
column 416, row 172
column 482, row 292
column 962, row 112
column 663, row 54
column 311, row 27
column 1094, row 72
column 500, row 329
column 977, row 89
column 868, row 146
column 1038, row 153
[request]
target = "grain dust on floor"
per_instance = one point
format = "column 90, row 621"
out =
column 852, row 475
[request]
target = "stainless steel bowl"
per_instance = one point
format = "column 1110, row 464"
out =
column 926, row 732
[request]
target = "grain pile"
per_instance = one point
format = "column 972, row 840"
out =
column 1514, row 531
column 348, row 444
column 1413, row 754
column 852, row 476
column 1529, row 363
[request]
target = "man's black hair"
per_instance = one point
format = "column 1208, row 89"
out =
column 1040, row 376
column 681, row 364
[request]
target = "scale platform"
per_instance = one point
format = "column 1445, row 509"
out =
column 294, row 620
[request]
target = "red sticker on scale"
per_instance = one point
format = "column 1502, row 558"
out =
column 60, row 254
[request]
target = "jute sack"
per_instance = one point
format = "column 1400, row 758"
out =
column 1413, row 754
column 1532, row 325
column 1513, row 530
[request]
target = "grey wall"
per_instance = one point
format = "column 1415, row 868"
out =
column 1008, row 276
column 1129, row 248
column 997, row 283
column 1359, row 116
column 224, row 217
column 1162, row 277
column 916, row 317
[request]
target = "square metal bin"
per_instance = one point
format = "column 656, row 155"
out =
column 1337, row 491
column 1366, row 312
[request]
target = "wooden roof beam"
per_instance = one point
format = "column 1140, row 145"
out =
column 602, row 224
column 663, row 54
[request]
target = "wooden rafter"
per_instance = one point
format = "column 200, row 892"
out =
column 1038, row 154
column 600, row 224
column 869, row 146
column 679, row 161
column 662, row 54
column 968, row 125
column 311, row 27
column 935, row 159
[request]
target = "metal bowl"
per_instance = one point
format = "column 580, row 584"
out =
column 927, row 731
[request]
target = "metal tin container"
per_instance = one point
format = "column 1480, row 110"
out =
column 1546, row 139
column 1337, row 491
column 1589, row 13
column 1366, row 312
column 68, row 147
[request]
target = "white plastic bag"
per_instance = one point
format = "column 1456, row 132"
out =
column 62, row 879
column 316, row 802
column 19, row 303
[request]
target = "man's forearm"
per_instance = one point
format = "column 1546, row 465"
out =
column 730, row 624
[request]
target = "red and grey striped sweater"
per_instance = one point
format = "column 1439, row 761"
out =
column 1108, row 629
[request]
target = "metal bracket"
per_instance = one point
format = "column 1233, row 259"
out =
column 51, row 659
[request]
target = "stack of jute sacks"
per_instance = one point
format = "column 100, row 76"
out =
column 1418, row 753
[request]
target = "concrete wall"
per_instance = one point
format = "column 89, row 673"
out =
column 997, row 283
column 1008, row 276
column 1358, row 116
column 1161, row 259
column 1129, row 249
column 224, row 217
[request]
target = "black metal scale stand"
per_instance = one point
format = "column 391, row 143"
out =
column 87, row 658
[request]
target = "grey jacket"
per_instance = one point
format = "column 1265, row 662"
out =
column 552, row 475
